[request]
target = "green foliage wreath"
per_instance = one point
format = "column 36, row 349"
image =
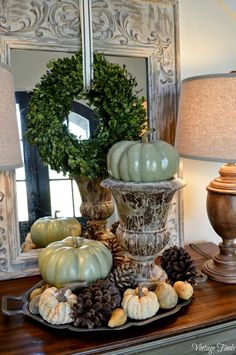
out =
column 117, row 109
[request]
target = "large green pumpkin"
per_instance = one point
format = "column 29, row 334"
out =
column 74, row 259
column 46, row 230
column 142, row 161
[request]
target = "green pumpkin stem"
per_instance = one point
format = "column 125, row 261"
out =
column 77, row 242
column 146, row 134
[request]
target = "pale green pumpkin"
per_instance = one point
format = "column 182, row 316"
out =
column 46, row 230
column 74, row 259
column 142, row 161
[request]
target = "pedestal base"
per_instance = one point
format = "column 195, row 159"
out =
column 143, row 211
column 221, row 269
column 148, row 273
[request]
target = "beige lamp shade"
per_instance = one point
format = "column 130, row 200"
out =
column 10, row 154
column 206, row 127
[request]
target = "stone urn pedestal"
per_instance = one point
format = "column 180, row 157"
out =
column 143, row 210
column 96, row 206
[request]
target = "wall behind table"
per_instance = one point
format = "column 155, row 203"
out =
column 207, row 45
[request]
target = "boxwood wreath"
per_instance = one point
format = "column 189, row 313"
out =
column 117, row 108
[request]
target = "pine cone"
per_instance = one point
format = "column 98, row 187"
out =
column 95, row 304
column 123, row 276
column 178, row 265
column 119, row 257
column 114, row 227
column 98, row 231
column 90, row 230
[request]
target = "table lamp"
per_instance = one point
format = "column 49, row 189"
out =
column 206, row 130
column 10, row 154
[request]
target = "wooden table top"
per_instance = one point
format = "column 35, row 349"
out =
column 212, row 304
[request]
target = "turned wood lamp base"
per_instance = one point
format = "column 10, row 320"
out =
column 221, row 210
column 219, row 270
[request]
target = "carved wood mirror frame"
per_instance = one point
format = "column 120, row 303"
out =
column 140, row 28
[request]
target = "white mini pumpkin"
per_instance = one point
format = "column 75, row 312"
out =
column 52, row 309
column 140, row 303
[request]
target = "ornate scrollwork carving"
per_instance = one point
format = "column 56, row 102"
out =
column 1, row 196
column 3, row 251
column 141, row 25
column 59, row 19
column 127, row 28
column 123, row 26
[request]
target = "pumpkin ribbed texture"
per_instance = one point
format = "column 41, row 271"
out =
column 46, row 230
column 74, row 259
column 140, row 303
column 140, row 161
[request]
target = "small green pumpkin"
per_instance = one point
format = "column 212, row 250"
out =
column 46, row 230
column 142, row 161
column 74, row 259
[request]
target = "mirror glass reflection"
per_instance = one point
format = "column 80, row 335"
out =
column 40, row 190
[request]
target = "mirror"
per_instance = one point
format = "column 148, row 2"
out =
column 62, row 193
column 142, row 29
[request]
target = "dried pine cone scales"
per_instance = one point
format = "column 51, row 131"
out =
column 95, row 304
column 178, row 265
column 124, row 276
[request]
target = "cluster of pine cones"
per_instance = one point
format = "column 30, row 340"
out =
column 96, row 302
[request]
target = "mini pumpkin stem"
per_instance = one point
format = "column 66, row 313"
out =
column 146, row 134
column 140, row 291
column 55, row 214
column 60, row 294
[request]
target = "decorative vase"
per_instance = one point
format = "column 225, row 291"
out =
column 143, row 210
column 96, row 206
